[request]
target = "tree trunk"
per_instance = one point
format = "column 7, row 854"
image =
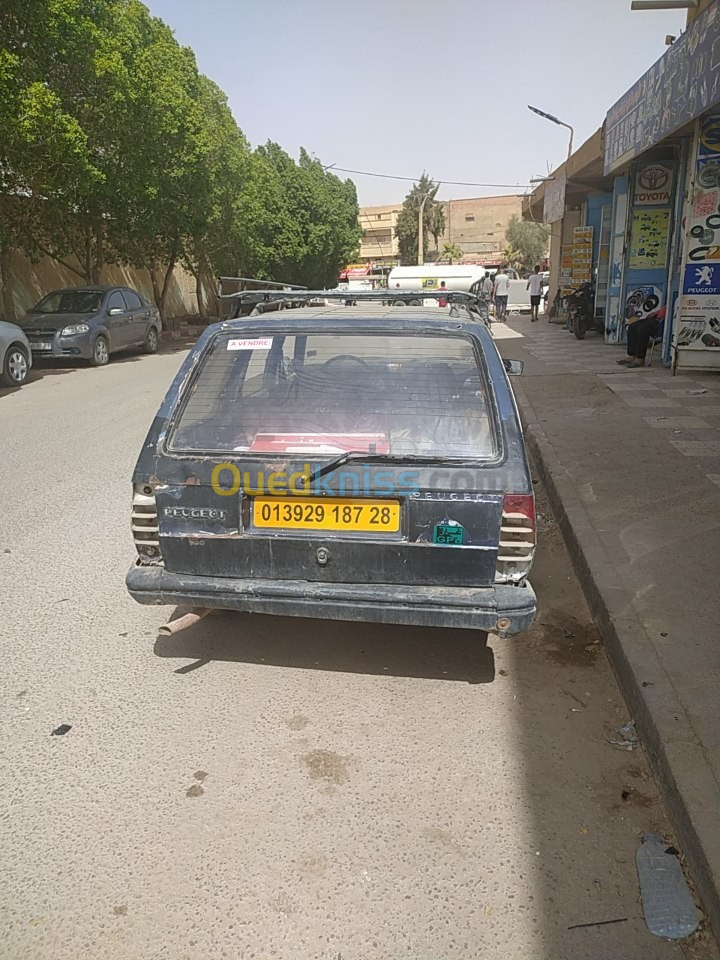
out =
column 161, row 293
column 197, row 272
column 88, row 265
column 199, row 293
column 6, row 278
column 99, row 259
column 152, row 270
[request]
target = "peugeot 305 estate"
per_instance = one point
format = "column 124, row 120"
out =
column 350, row 463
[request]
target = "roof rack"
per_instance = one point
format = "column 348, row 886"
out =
column 267, row 283
column 246, row 303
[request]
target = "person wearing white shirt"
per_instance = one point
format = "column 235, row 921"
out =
column 485, row 293
column 501, row 290
column 534, row 285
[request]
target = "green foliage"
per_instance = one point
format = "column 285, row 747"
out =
column 527, row 241
column 115, row 148
column 433, row 215
column 512, row 257
column 451, row 251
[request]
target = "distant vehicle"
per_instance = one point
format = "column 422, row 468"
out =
column 15, row 355
column 92, row 322
column 463, row 278
column 347, row 462
column 460, row 277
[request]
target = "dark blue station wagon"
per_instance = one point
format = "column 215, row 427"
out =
column 343, row 462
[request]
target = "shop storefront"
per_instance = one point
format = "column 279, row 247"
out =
column 644, row 267
column 696, row 333
column 660, row 249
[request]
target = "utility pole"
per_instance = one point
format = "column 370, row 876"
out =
column 421, row 238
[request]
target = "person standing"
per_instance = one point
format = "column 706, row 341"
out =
column 534, row 285
column 485, row 292
column 500, row 292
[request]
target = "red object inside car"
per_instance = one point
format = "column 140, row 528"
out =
column 320, row 443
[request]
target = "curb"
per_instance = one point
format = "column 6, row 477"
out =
column 688, row 787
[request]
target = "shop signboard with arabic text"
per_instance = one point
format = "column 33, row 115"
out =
column 678, row 88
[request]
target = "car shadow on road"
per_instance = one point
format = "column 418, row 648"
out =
column 53, row 368
column 423, row 652
column 38, row 372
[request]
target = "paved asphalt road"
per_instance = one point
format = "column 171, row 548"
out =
column 260, row 787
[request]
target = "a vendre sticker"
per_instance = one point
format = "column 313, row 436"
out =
column 262, row 344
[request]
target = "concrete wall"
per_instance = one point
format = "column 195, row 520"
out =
column 31, row 281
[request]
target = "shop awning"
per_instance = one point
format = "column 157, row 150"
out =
column 355, row 270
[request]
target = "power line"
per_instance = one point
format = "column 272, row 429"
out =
column 452, row 183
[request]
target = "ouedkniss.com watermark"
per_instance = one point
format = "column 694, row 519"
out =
column 366, row 480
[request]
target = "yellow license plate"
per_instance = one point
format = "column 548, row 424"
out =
column 326, row 513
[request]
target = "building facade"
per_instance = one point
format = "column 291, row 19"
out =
column 477, row 226
column 637, row 207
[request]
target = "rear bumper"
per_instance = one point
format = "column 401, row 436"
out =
column 476, row 608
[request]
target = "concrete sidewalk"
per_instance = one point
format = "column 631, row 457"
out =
column 631, row 460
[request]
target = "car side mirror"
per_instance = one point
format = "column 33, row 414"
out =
column 514, row 367
column 115, row 311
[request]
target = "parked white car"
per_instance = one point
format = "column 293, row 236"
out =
column 15, row 355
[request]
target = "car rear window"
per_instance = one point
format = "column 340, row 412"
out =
column 325, row 394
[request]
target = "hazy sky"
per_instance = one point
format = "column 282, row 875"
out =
column 402, row 86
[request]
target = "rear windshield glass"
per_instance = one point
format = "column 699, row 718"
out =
column 326, row 394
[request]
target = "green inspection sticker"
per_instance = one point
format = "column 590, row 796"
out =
column 448, row 534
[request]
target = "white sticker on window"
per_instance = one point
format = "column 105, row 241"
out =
column 261, row 344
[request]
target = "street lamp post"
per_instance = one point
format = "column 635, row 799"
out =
column 560, row 123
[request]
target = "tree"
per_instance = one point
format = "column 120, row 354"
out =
column 114, row 148
column 529, row 240
column 54, row 164
column 451, row 251
column 167, row 191
column 301, row 222
column 512, row 257
column 212, row 245
column 407, row 223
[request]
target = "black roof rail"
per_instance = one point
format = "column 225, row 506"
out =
column 259, row 296
column 270, row 283
column 251, row 301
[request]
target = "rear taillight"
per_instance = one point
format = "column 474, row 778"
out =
column 517, row 538
column 145, row 523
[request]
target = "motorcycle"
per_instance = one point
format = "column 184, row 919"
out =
column 581, row 311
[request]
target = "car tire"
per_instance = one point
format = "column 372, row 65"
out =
column 152, row 341
column 16, row 367
column 101, row 352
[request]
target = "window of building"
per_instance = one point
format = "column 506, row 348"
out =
column 469, row 218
